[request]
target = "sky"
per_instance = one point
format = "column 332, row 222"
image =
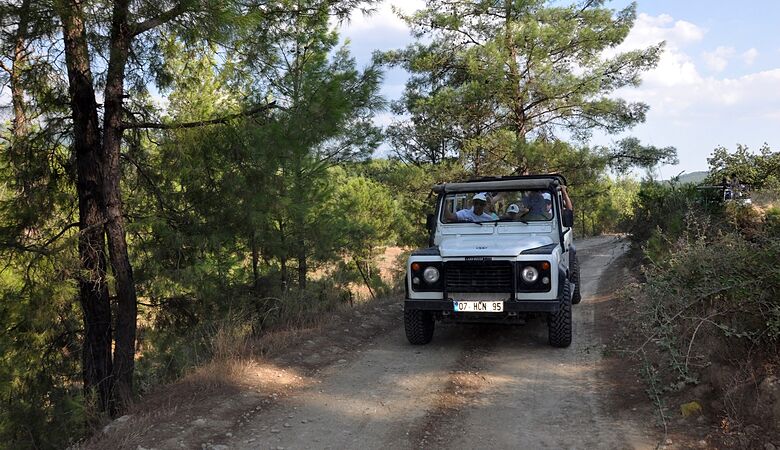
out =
column 717, row 83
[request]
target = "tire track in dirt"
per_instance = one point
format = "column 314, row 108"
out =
column 461, row 388
column 376, row 401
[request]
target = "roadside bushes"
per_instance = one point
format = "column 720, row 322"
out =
column 712, row 309
column 710, row 303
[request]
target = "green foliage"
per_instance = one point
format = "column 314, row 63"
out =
column 495, row 76
column 758, row 171
column 40, row 333
column 724, row 283
column 39, row 354
column 661, row 211
column 709, row 298
column 772, row 220
column 604, row 205
column 410, row 186
column 629, row 153
column 215, row 215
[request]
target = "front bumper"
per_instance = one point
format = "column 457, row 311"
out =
column 510, row 306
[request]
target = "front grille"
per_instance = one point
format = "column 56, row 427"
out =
column 478, row 276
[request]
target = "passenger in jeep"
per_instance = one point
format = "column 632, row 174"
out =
column 511, row 212
column 477, row 213
column 566, row 200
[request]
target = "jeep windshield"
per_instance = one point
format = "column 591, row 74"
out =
column 521, row 206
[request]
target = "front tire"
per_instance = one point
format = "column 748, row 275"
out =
column 419, row 326
column 559, row 324
column 575, row 278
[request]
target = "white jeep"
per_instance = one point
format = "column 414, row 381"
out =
column 500, row 249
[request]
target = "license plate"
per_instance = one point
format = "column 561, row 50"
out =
column 477, row 306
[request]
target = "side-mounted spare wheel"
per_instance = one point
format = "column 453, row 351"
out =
column 559, row 326
column 575, row 278
column 419, row 326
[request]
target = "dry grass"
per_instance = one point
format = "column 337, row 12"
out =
column 243, row 367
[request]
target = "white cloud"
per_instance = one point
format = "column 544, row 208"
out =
column 384, row 119
column 676, row 89
column 718, row 60
column 749, row 56
column 697, row 111
column 674, row 67
column 384, row 17
column 650, row 30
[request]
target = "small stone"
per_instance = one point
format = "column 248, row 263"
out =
column 290, row 416
column 669, row 442
column 275, row 430
column 287, row 425
column 251, row 440
column 230, row 435
column 342, row 361
column 304, row 421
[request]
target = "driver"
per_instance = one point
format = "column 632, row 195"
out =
column 477, row 212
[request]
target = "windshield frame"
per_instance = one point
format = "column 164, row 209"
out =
column 463, row 201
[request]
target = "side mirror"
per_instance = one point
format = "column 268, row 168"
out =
column 568, row 218
column 430, row 222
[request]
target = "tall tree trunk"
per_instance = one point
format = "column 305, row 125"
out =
column 19, row 126
column 20, row 154
column 127, row 309
column 518, row 109
column 283, row 257
column 303, row 267
column 93, row 290
column 518, row 96
column 255, row 260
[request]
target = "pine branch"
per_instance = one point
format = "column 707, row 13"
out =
column 200, row 123
column 154, row 22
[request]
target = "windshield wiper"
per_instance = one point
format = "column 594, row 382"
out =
column 503, row 221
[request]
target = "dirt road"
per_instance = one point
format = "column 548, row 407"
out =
column 472, row 387
column 355, row 382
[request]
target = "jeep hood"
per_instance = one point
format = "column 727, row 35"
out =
column 490, row 245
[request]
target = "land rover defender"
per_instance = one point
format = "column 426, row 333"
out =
column 501, row 249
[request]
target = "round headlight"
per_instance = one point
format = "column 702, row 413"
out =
column 431, row 275
column 530, row 274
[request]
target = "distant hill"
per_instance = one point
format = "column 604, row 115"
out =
column 693, row 177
